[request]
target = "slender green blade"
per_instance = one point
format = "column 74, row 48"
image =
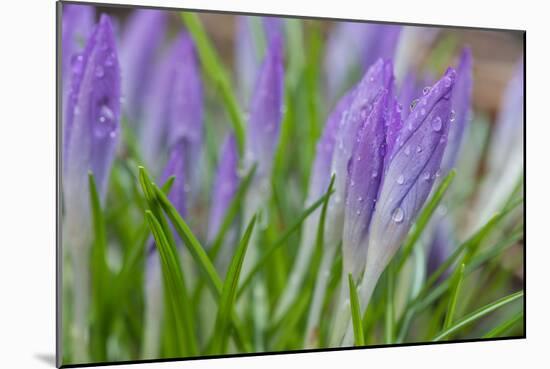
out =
column 189, row 239
column 356, row 313
column 424, row 218
column 390, row 309
column 479, row 313
column 176, row 291
column 217, row 74
column 229, row 291
column 505, row 326
column 458, row 278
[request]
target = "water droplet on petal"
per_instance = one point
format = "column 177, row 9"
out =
column 399, row 108
column 423, row 111
column 112, row 134
column 418, row 149
column 447, row 81
column 397, row 215
column 437, row 124
column 407, row 150
column 426, row 176
column 426, row 90
column 99, row 71
column 452, row 117
column 400, row 179
column 413, row 104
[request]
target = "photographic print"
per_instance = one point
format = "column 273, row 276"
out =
column 237, row 184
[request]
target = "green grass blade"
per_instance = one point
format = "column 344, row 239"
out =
column 269, row 252
column 505, row 326
column 100, row 275
column 356, row 313
column 458, row 278
column 229, row 291
column 175, row 290
column 189, row 239
column 424, row 218
column 217, row 74
column 479, row 313
column 231, row 213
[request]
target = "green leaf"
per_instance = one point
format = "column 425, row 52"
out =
column 229, row 291
column 356, row 313
column 100, row 276
column 390, row 309
column 217, row 74
column 267, row 254
column 424, row 218
column 175, row 289
column 505, row 326
column 189, row 239
column 481, row 312
column 458, row 278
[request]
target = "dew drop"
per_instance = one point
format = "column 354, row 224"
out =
column 407, row 150
column 447, row 81
column 452, row 117
column 360, row 199
column 399, row 108
column 422, row 111
column 107, row 113
column 112, row 134
column 99, row 71
column 426, row 90
column 400, row 179
column 397, row 215
column 426, row 176
column 413, row 104
column 358, row 212
column 437, row 124
column 374, row 174
column 418, row 149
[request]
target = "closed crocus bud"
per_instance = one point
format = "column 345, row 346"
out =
column 174, row 110
column 413, row 166
column 186, row 109
column 77, row 25
column 461, row 103
column 90, row 139
column 318, row 185
column 225, row 185
column 377, row 81
column 139, row 47
column 266, row 109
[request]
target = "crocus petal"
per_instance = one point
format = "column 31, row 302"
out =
column 225, row 185
column 441, row 246
column 141, row 40
column 77, row 26
column 461, row 104
column 266, row 110
column 186, row 107
column 246, row 60
column 273, row 28
column 365, row 172
column 378, row 78
column 93, row 113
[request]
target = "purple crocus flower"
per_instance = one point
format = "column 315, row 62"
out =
column 93, row 113
column 247, row 54
column 226, row 182
column 319, row 181
column 174, row 110
column 90, row 139
column 265, row 111
column 461, row 104
column 141, row 40
column 409, row 174
column 77, row 25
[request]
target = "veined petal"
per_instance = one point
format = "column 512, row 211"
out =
column 365, row 173
column 225, row 185
column 93, row 113
column 266, row 111
column 77, row 26
column 461, row 103
column 140, row 44
column 409, row 176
